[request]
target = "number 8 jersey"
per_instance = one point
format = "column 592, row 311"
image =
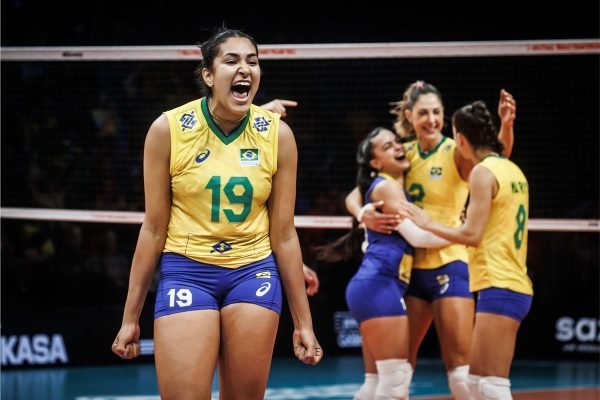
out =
column 220, row 185
column 500, row 259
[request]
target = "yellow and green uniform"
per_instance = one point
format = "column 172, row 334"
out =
column 220, row 185
column 435, row 185
column 500, row 260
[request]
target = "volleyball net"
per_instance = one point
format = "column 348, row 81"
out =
column 75, row 118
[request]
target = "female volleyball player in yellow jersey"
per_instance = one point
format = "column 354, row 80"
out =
column 439, row 287
column 220, row 178
column 496, row 230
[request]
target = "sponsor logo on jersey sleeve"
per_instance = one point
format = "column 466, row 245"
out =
column 260, row 123
column 187, row 120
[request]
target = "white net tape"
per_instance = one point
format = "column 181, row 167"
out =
column 301, row 221
column 312, row 51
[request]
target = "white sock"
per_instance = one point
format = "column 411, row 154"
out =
column 367, row 390
column 458, row 381
column 395, row 375
column 474, row 386
column 494, row 388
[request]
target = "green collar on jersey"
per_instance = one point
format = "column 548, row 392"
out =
column 224, row 137
column 426, row 154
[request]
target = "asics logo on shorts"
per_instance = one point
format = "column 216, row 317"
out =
column 263, row 289
column 444, row 282
column 444, row 288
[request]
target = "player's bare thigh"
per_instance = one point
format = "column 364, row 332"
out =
column 380, row 344
column 454, row 318
column 419, row 320
column 493, row 347
column 248, row 334
column 186, row 349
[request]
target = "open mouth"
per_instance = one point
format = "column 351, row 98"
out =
column 240, row 90
column 401, row 157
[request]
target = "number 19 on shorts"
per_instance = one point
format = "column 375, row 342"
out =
column 183, row 297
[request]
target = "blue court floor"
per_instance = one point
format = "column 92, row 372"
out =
column 333, row 378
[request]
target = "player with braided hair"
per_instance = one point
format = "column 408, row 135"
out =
column 496, row 231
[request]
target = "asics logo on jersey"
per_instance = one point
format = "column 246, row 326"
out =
column 261, row 124
column 263, row 289
column 203, row 155
column 188, row 120
column 221, row 247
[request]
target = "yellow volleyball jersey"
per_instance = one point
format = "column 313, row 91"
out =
column 220, row 185
column 500, row 260
column 435, row 185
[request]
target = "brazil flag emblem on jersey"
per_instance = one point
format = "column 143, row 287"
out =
column 249, row 157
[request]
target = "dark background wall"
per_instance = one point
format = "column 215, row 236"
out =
column 100, row 22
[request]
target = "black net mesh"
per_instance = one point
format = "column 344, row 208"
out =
column 73, row 132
